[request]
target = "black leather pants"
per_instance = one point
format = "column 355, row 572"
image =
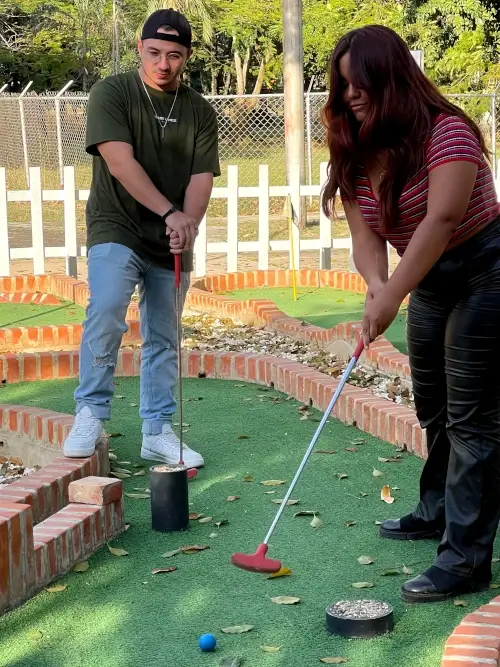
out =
column 454, row 350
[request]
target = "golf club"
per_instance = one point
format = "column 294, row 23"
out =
column 257, row 562
column 178, row 307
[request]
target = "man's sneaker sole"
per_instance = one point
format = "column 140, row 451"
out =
column 148, row 455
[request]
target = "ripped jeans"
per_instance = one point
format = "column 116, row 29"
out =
column 113, row 273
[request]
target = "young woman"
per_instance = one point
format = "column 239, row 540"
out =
column 411, row 169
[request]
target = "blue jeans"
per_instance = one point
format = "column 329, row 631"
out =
column 113, row 273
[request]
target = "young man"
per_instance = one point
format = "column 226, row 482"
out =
column 155, row 154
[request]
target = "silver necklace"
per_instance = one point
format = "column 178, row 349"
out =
column 161, row 120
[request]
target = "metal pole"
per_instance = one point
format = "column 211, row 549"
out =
column 3, row 87
column 293, row 77
column 23, row 133
column 58, row 129
column 309, row 142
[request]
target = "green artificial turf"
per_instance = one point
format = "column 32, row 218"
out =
column 119, row 614
column 324, row 307
column 27, row 315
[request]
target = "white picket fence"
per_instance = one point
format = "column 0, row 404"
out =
column 232, row 247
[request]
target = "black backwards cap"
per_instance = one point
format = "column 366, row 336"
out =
column 170, row 17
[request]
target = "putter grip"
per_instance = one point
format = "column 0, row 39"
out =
column 177, row 259
column 359, row 349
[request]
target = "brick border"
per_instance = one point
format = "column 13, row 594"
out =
column 34, row 298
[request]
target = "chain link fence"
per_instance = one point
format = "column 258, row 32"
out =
column 49, row 131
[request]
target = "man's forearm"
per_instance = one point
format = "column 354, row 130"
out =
column 138, row 184
column 197, row 196
column 426, row 246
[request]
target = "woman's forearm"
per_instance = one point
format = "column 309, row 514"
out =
column 370, row 257
column 424, row 249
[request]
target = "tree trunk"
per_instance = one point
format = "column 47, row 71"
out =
column 214, row 82
column 260, row 78
column 246, row 62
column 240, row 81
column 227, row 82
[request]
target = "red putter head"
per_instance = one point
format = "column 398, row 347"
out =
column 256, row 562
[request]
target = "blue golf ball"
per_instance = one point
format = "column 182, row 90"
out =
column 207, row 643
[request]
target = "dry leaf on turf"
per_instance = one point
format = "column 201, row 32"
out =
column 495, row 560
column 169, row 554
column 306, row 513
column 35, row 634
column 363, row 494
column 133, row 405
column 212, row 535
column 270, row 493
column 206, row 519
column 81, row 567
column 141, row 473
column 391, row 573
column 270, row 649
column 272, row 482
column 119, row 396
column 350, row 523
column 117, row 552
column 222, row 522
column 243, row 437
column 316, row 522
column 194, row 516
column 124, row 463
column 141, row 490
column 494, row 587
column 407, row 570
column 231, row 499
column 142, row 496
column 353, row 450
column 291, row 501
column 377, row 473
column 124, row 471
column 385, row 495
column 230, row 662
column 363, row 584
column 378, row 523
column 333, row 661
column 194, row 549
column 391, row 459
column 341, row 475
column 237, row 629
column 365, row 560
column 325, row 451
column 460, row 603
column 112, row 457
column 285, row 599
column 248, row 478
column 120, row 475
column 282, row 572
column 115, row 435
column 56, row 589
column 160, row 570
column 358, row 441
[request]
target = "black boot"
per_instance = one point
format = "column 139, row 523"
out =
column 410, row 528
column 437, row 585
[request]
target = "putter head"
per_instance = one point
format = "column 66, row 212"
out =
column 192, row 472
column 256, row 562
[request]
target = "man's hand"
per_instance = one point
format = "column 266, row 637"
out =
column 182, row 230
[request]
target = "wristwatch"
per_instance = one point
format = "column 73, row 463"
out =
column 169, row 212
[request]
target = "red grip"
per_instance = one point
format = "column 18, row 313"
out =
column 177, row 271
column 359, row 349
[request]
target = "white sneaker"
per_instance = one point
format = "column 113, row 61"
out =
column 165, row 447
column 84, row 435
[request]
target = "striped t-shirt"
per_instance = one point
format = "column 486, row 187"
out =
column 451, row 139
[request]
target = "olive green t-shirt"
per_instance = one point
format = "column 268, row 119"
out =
column 119, row 110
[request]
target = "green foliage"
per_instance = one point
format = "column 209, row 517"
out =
column 239, row 42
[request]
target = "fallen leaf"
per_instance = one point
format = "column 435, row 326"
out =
column 222, row 522
column 270, row 649
column 378, row 523
column 125, row 463
column 333, row 661
column 285, row 599
column 353, row 450
column 304, row 417
column 359, row 441
column 278, row 501
column 35, row 634
column 341, row 475
column 142, row 496
column 59, row 588
column 350, row 523
column 194, row 516
column 363, row 584
column 112, row 457
column 127, row 526
column 212, row 535
column 124, row 471
column 140, row 473
column 160, row 570
column 133, row 405
column 81, row 567
column 169, row 554
column 391, row 573
column 119, row 396
column 377, row 473
column 119, row 475
column 282, row 572
column 391, row 459
column 231, row 499
column 117, row 552
column 325, row 451
column 460, row 603
column 243, row 437
column 407, row 570
column 141, row 490
column 248, row 478
column 365, row 560
column 494, row 586
column 385, row 495
column 396, row 488
column 237, row 629
column 194, row 549
column 206, row 519
column 495, row 560
column 230, row 662
column 316, row 522
column 115, row 435
column 269, row 493
column 363, row 494
column 306, row 513
column 272, row 482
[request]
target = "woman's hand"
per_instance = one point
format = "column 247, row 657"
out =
column 374, row 288
column 380, row 310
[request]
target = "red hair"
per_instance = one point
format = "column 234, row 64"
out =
column 403, row 104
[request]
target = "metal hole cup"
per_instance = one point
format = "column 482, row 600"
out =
column 169, row 498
